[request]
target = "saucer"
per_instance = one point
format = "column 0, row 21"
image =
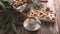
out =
column 31, row 27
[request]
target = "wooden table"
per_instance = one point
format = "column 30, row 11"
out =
column 45, row 28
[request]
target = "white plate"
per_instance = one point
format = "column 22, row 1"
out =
column 36, row 26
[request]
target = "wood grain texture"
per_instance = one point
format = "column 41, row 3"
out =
column 57, row 8
column 45, row 29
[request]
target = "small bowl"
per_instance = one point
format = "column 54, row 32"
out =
column 20, row 8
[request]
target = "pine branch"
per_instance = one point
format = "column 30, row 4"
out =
column 1, row 4
column 8, row 10
column 38, row 6
column 13, row 28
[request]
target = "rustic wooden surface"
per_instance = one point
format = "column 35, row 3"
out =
column 48, row 29
column 57, row 8
column 45, row 29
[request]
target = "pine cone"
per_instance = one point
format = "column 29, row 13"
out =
column 22, row 16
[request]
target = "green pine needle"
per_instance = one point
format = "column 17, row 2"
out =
column 37, row 7
column 10, row 13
